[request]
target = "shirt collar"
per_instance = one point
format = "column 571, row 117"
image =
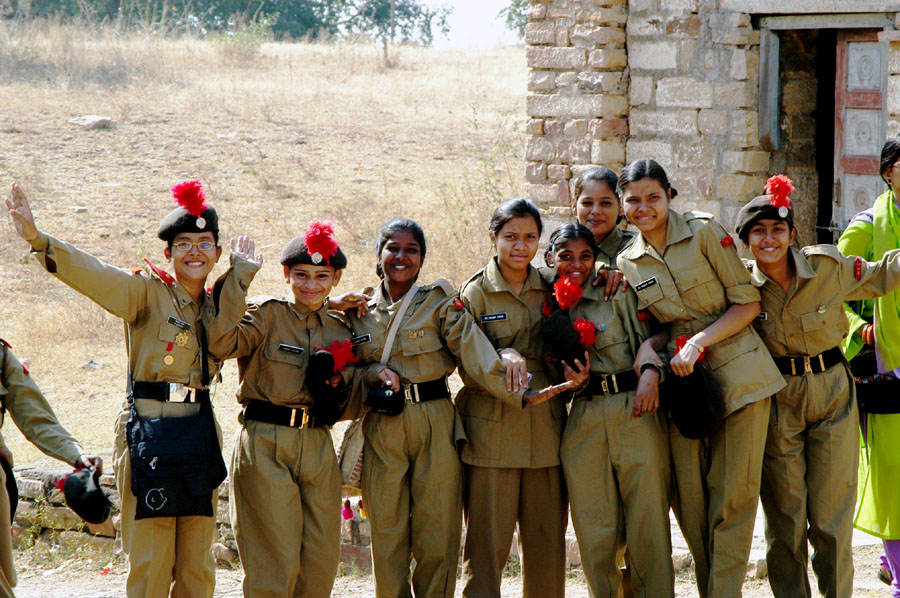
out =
column 802, row 269
column 495, row 283
column 677, row 229
column 610, row 245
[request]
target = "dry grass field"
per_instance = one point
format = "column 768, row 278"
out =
column 279, row 134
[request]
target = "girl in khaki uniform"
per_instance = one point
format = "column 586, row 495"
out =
column 411, row 480
column 810, row 464
column 511, row 462
column 286, row 483
column 24, row 402
column 596, row 205
column 688, row 275
column 164, row 318
column 615, row 447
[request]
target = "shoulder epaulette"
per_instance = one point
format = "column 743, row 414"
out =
column 5, row 344
column 263, row 299
column 826, row 250
column 444, row 285
column 340, row 317
column 475, row 277
column 161, row 274
column 697, row 215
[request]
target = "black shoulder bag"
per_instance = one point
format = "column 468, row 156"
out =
column 176, row 462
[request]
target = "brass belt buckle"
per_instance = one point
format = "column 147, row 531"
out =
column 605, row 386
column 293, row 417
column 821, row 362
column 411, row 392
column 807, row 364
column 304, row 421
column 615, row 384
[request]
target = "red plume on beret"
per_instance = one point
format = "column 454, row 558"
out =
column 342, row 352
column 189, row 195
column 567, row 292
column 320, row 240
column 779, row 187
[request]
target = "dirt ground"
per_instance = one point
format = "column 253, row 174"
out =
column 83, row 579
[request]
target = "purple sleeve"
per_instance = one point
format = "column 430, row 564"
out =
column 865, row 216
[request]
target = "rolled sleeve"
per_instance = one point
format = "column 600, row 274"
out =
column 728, row 266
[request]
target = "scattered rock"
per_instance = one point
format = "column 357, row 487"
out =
column 681, row 560
column 92, row 121
column 224, row 554
column 573, row 555
column 92, row 365
column 300, row 140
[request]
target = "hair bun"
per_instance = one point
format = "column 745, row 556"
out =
column 673, row 192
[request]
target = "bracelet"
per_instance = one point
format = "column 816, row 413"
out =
column 692, row 343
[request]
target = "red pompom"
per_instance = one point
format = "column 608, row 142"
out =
column 567, row 292
column 779, row 187
column 458, row 304
column 587, row 332
column 643, row 316
column 727, row 241
column 320, row 240
column 545, row 310
column 342, row 352
column 189, row 195
column 61, row 483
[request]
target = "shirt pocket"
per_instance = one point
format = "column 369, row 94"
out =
column 419, row 355
column 648, row 295
column 367, row 350
column 183, row 354
column 610, row 334
column 480, row 405
column 765, row 327
column 822, row 331
column 498, row 332
column 282, row 373
column 700, row 288
column 731, row 348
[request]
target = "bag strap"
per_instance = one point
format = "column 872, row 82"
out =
column 395, row 324
column 3, row 379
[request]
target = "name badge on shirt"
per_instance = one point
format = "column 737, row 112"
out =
column 290, row 349
column 179, row 323
column 361, row 339
column 762, row 316
column 647, row 283
column 498, row 317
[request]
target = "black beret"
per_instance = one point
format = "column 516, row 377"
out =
column 85, row 496
column 760, row 208
column 695, row 402
column 12, row 489
column 561, row 337
column 296, row 252
column 180, row 220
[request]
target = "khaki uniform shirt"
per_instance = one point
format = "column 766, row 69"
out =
column 32, row 414
column 617, row 240
column 809, row 318
column 693, row 283
column 272, row 340
column 434, row 333
column 501, row 434
column 160, row 315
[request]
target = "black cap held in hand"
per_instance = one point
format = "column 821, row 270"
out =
column 85, row 496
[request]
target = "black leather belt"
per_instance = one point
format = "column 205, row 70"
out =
column 161, row 391
column 799, row 365
column 419, row 392
column 610, row 384
column 266, row 412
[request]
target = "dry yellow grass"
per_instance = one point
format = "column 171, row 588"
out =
column 280, row 134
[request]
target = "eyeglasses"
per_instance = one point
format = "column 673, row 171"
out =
column 187, row 245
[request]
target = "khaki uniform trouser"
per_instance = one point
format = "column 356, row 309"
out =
column 497, row 498
column 7, row 561
column 286, row 510
column 164, row 553
column 618, row 472
column 716, row 496
column 809, row 475
column 413, row 494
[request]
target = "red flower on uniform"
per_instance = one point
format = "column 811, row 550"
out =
column 681, row 341
column 567, row 292
column 545, row 310
column 779, row 187
column 189, row 195
column 458, row 304
column 643, row 316
column 727, row 241
column 587, row 332
column 342, row 352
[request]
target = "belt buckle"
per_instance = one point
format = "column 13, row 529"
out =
column 615, row 384
column 821, row 362
column 807, row 364
column 793, row 367
column 605, row 386
column 411, row 393
column 304, row 420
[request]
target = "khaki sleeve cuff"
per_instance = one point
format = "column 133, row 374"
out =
column 40, row 244
column 742, row 293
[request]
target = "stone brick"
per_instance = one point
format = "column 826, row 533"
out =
column 585, row 106
column 712, row 122
column 562, row 37
column 608, row 58
column 608, row 127
column 541, row 80
column 592, row 81
column 734, row 94
column 732, row 29
column 894, row 56
column 704, row 185
column 103, row 529
column 640, row 91
column 663, row 123
column 741, row 187
column 893, row 95
column 652, row 56
column 746, row 162
column 744, row 128
column 541, row 194
column 698, row 154
column 555, row 58
column 684, row 92
column 556, row 172
column 650, row 25
column 607, row 151
column 535, row 172
column 33, row 489
column 798, row 96
column 557, row 11
column 575, row 128
column 554, row 127
column 540, row 33
column 598, row 35
column 744, row 65
column 539, row 149
column 535, row 126
column 893, row 127
column 609, row 16
column 536, row 12
column 683, row 26
column 660, row 151
column 577, row 151
column 566, row 79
